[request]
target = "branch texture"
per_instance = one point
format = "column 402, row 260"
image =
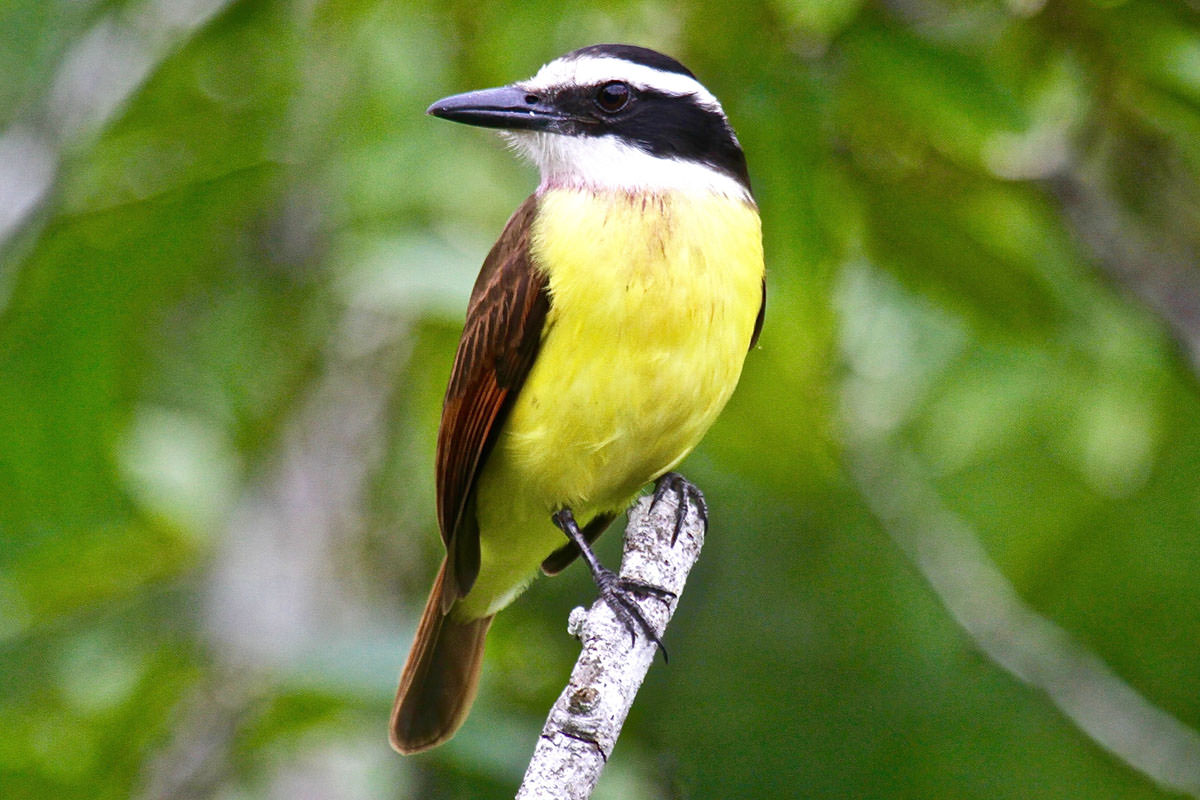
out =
column 584, row 723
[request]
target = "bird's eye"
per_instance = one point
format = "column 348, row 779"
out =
column 613, row 96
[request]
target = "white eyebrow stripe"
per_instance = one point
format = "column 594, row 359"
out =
column 593, row 70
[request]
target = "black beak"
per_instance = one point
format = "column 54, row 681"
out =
column 508, row 107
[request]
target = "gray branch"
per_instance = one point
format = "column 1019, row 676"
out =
column 1154, row 265
column 584, row 723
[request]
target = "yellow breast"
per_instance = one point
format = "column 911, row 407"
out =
column 653, row 301
column 653, row 304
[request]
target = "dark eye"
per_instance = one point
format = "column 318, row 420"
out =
column 613, row 96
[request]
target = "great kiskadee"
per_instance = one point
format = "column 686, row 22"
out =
column 605, row 332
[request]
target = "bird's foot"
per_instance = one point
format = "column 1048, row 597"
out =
column 686, row 493
column 617, row 593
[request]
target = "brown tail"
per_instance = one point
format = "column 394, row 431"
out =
column 440, row 678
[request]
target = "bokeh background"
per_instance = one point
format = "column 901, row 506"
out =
column 955, row 541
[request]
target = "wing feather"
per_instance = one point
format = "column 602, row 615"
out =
column 762, row 313
column 500, row 340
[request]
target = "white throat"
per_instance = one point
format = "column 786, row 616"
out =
column 607, row 163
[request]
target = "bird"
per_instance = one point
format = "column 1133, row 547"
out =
column 606, row 330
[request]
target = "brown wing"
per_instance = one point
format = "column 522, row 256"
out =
column 762, row 313
column 499, row 343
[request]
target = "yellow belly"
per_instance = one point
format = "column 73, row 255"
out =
column 653, row 303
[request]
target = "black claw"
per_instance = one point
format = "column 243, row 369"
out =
column 615, row 591
column 687, row 493
column 657, row 592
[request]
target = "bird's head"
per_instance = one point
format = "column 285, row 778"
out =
column 613, row 117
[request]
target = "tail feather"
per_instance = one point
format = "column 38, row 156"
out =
column 440, row 677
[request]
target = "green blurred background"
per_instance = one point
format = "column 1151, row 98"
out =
column 954, row 548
